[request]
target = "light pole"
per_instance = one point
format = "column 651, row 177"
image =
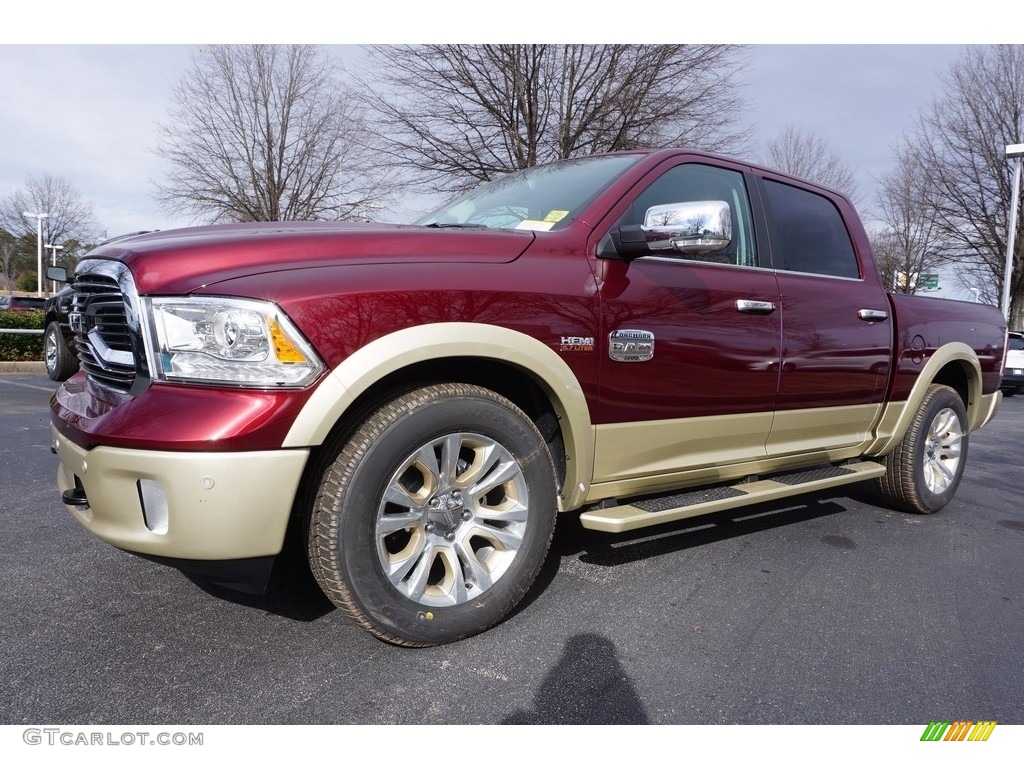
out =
column 39, row 247
column 53, row 259
column 1015, row 151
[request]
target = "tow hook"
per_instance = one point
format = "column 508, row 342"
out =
column 75, row 497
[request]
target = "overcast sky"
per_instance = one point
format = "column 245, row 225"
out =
column 86, row 108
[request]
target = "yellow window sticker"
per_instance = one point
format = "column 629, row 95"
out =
column 537, row 226
column 556, row 216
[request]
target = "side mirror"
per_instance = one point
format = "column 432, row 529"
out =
column 57, row 274
column 702, row 226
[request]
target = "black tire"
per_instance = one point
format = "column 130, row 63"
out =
column 61, row 362
column 924, row 470
column 405, row 536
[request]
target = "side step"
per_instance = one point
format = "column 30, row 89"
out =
column 654, row 510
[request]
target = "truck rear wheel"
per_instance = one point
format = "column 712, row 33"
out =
column 924, row 470
column 433, row 519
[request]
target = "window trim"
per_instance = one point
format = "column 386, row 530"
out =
column 774, row 237
column 759, row 229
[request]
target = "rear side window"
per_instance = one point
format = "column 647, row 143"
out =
column 810, row 235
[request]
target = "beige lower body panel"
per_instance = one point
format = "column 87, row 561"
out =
column 201, row 506
column 646, row 448
column 810, row 429
column 637, row 458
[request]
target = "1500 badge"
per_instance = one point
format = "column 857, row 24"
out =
column 631, row 346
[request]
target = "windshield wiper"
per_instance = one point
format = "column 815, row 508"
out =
column 453, row 225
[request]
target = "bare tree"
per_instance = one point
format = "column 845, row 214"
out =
column 70, row 222
column 457, row 115
column 908, row 244
column 266, row 133
column 7, row 252
column 810, row 157
column 959, row 144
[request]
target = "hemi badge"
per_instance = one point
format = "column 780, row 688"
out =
column 576, row 344
column 631, row 346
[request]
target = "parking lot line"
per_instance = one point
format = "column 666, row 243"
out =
column 20, row 384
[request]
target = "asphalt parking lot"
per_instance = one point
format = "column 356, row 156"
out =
column 827, row 609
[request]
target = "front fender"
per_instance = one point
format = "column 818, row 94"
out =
column 389, row 354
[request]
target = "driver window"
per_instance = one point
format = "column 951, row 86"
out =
column 693, row 182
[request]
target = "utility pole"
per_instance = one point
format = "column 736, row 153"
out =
column 1014, row 151
column 53, row 261
column 39, row 247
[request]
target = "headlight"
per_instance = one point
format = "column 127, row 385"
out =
column 228, row 341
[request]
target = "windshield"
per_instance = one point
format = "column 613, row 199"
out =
column 540, row 198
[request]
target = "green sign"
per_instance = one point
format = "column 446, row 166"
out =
column 928, row 282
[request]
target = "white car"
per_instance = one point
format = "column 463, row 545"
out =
column 1013, row 373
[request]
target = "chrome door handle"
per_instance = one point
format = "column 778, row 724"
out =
column 755, row 307
column 872, row 315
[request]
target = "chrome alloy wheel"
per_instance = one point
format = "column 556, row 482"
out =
column 452, row 519
column 942, row 451
column 50, row 349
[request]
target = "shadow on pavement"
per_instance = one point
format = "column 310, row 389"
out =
column 587, row 686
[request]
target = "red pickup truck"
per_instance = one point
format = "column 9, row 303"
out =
column 633, row 338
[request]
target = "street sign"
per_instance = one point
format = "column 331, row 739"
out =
column 928, row 282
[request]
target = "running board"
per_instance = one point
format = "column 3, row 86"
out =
column 654, row 510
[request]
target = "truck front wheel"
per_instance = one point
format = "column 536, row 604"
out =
column 433, row 519
column 924, row 470
column 61, row 362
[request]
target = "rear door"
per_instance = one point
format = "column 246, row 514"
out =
column 836, row 329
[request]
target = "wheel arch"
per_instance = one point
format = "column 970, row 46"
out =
column 955, row 365
column 515, row 365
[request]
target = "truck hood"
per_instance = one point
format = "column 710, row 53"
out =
column 180, row 261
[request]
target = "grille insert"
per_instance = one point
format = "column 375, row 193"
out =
column 103, row 338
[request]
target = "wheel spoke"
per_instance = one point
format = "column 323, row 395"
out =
column 951, row 444
column 508, row 538
column 398, row 566
column 516, row 513
column 426, row 459
column 475, row 571
column 450, row 459
column 483, row 460
column 398, row 521
column 945, row 422
column 396, row 494
column 500, row 474
column 416, row 584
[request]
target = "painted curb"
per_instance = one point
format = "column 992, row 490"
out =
column 22, row 367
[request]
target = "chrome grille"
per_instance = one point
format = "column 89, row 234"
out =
column 99, row 319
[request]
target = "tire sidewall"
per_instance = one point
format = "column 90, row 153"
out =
column 403, row 434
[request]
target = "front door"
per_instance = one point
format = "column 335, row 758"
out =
column 690, row 346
